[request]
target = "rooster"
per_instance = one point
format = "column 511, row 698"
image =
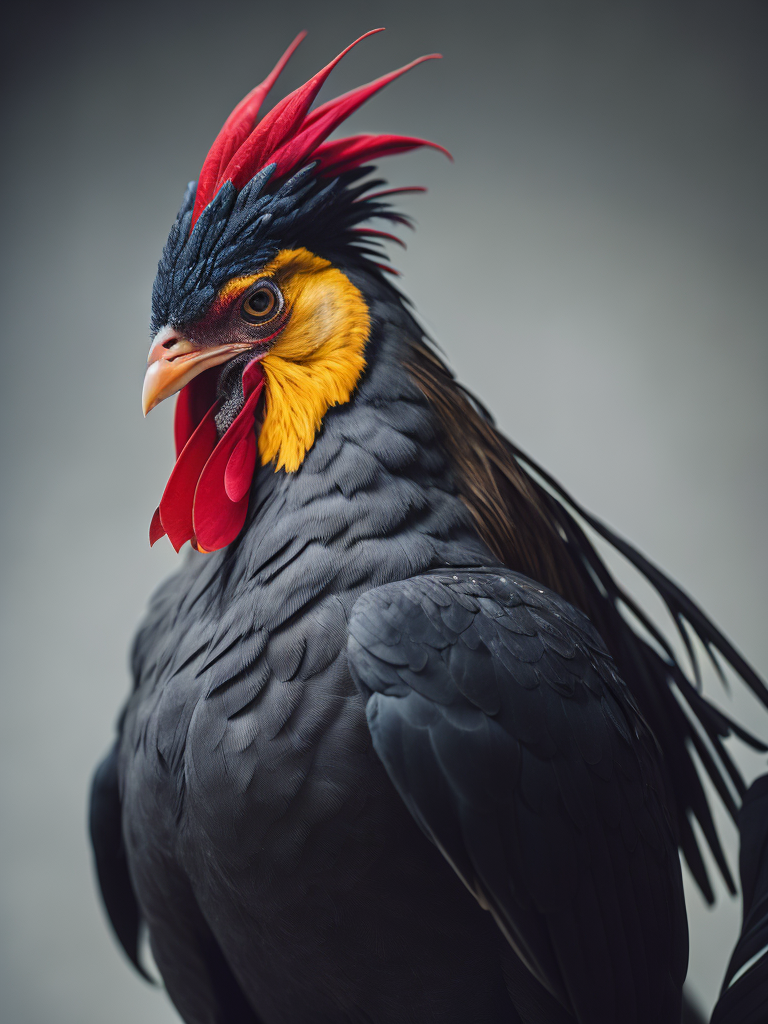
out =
column 393, row 661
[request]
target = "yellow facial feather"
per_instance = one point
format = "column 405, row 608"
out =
column 316, row 361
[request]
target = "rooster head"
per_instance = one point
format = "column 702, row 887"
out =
column 255, row 325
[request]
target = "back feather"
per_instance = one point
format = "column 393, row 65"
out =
column 535, row 527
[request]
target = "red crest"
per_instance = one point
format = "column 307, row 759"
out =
column 291, row 136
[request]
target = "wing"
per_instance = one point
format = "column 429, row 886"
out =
column 744, row 996
column 196, row 974
column 500, row 718
column 105, row 820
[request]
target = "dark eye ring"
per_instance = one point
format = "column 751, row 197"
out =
column 262, row 304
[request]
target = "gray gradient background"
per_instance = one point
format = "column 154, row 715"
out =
column 594, row 265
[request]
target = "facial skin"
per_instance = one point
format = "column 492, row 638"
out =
column 248, row 311
column 247, row 314
column 302, row 319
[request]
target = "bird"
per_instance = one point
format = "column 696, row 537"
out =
column 399, row 747
column 744, row 993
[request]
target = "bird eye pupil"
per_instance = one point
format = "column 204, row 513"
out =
column 261, row 305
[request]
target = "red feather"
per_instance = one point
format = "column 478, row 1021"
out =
column 321, row 122
column 291, row 136
column 391, row 192
column 236, row 130
column 373, row 233
column 279, row 125
column 345, row 154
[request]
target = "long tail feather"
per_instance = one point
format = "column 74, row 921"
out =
column 655, row 679
column 535, row 526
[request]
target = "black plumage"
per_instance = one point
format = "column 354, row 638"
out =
column 744, row 995
column 239, row 230
column 278, row 871
column 500, row 717
column 410, row 670
column 255, row 809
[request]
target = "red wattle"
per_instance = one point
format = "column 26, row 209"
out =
column 179, row 494
column 217, row 519
column 253, row 376
column 206, row 497
column 192, row 404
column 156, row 530
column 239, row 471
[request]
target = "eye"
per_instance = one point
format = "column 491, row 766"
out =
column 262, row 304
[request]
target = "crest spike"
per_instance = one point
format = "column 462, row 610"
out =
column 280, row 124
column 235, row 131
column 320, row 123
column 291, row 139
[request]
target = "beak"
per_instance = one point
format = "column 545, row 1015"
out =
column 173, row 362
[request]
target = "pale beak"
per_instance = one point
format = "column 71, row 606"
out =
column 174, row 360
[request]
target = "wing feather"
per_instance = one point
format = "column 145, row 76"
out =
column 503, row 724
column 106, row 828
